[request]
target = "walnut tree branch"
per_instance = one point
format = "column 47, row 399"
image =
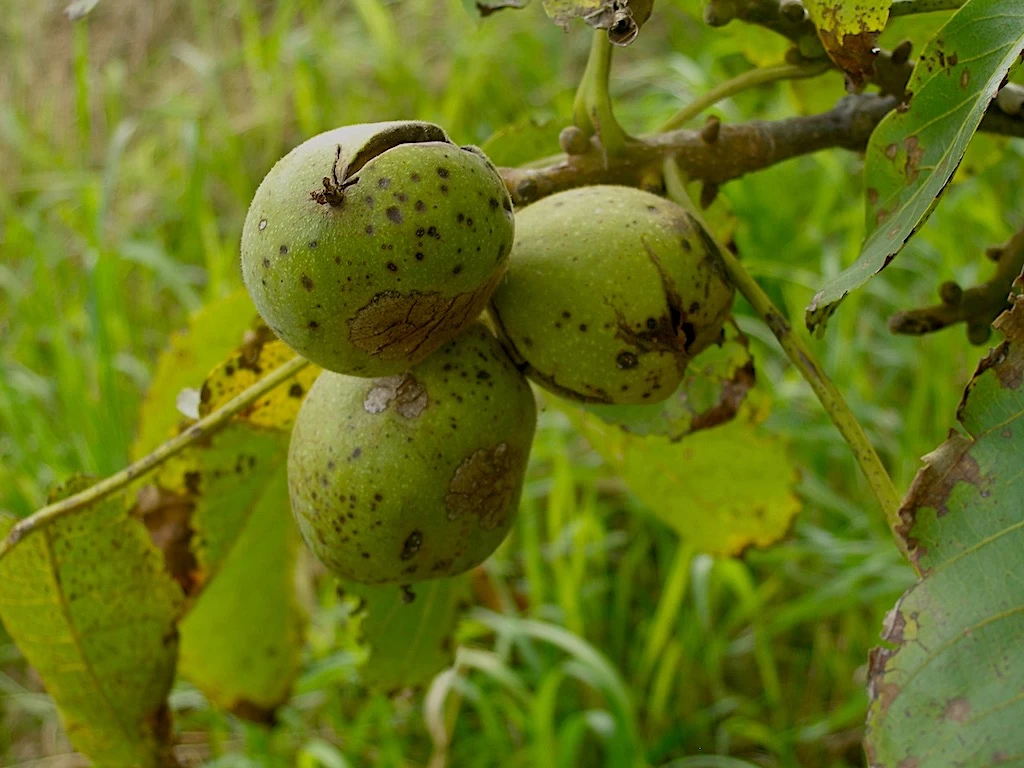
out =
column 977, row 306
column 726, row 153
column 734, row 151
column 788, row 19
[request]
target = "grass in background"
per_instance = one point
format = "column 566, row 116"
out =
column 130, row 145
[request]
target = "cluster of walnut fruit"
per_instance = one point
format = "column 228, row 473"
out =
column 372, row 250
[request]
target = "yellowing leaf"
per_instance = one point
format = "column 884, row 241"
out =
column 849, row 31
column 279, row 407
column 724, row 489
column 88, row 602
column 212, row 333
column 241, row 639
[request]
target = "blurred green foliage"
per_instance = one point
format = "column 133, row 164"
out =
column 130, row 145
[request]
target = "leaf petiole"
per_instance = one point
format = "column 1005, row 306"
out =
column 751, row 79
column 801, row 356
column 202, row 428
column 592, row 110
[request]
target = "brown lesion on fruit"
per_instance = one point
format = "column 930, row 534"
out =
column 402, row 392
column 484, row 485
column 593, row 394
column 395, row 326
column 671, row 332
column 411, row 545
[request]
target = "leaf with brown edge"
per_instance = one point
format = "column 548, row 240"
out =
column 947, row 690
column 723, row 489
column 715, row 387
column 260, row 355
column 221, row 509
column 241, row 640
column 849, row 31
column 212, row 333
column 88, row 602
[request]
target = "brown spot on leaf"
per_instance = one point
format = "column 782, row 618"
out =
column 734, row 392
column 484, row 485
column 168, row 518
column 855, row 54
column 394, row 214
column 915, row 152
column 946, row 467
column 403, row 392
column 879, row 688
column 307, row 282
column 958, row 709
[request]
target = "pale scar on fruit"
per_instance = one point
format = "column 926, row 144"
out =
column 408, row 397
column 394, row 326
column 483, row 485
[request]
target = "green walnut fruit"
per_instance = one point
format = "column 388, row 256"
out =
column 413, row 476
column 609, row 293
column 368, row 247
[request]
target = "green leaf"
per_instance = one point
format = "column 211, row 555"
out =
column 523, row 142
column 241, row 639
column 408, row 630
column 849, row 31
column 713, row 390
column 212, row 333
column 949, row 691
column 914, row 152
column 723, row 489
column 90, row 605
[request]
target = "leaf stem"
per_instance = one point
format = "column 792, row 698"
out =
column 202, row 428
column 801, row 356
column 592, row 110
column 908, row 7
column 751, row 79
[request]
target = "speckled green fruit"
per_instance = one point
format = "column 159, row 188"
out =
column 609, row 293
column 414, row 476
column 369, row 246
